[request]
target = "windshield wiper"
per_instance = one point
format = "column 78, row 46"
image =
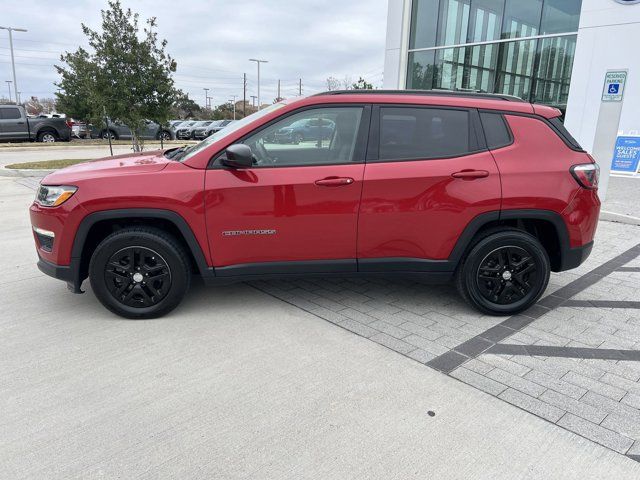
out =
column 176, row 153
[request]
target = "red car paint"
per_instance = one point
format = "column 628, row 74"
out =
column 410, row 209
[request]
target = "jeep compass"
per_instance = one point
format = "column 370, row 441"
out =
column 486, row 190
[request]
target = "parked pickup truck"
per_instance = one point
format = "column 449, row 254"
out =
column 16, row 126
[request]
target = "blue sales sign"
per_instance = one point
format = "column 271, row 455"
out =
column 626, row 155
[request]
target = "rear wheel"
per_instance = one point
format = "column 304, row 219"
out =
column 140, row 272
column 504, row 273
column 47, row 137
column 164, row 135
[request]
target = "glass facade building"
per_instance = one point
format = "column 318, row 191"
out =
column 517, row 47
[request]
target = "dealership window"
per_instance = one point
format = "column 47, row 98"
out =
column 485, row 20
column 423, row 133
column 560, row 16
column 552, row 77
column 424, row 23
column 521, row 18
column 536, row 70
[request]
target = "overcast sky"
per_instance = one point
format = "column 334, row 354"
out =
column 212, row 41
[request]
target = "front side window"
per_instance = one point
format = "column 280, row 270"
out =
column 423, row 133
column 318, row 136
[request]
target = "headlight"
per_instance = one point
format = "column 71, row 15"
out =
column 49, row 196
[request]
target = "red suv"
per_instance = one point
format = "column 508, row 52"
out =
column 486, row 189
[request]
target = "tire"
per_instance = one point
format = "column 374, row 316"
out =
column 505, row 272
column 47, row 137
column 106, row 133
column 297, row 138
column 164, row 135
column 126, row 287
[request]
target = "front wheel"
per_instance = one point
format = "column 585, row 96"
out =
column 140, row 272
column 504, row 273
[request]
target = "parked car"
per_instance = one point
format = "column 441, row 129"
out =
column 202, row 132
column 78, row 129
column 185, row 131
column 485, row 189
column 119, row 131
column 15, row 125
column 304, row 130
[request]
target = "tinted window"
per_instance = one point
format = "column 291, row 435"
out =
column 419, row 133
column 10, row 114
column 318, row 136
column 564, row 133
column 495, row 130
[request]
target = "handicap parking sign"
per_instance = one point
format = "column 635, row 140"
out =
column 614, row 86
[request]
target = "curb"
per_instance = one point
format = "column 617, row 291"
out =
column 16, row 172
column 619, row 218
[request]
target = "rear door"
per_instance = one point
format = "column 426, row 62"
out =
column 13, row 125
column 428, row 174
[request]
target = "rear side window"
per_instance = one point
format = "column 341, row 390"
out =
column 10, row 114
column 496, row 130
column 423, row 133
column 561, row 130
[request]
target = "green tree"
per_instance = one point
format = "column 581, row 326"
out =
column 127, row 73
column 362, row 84
column 184, row 107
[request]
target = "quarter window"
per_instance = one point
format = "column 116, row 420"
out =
column 423, row 133
column 318, row 136
column 495, row 130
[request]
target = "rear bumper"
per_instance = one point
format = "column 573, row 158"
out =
column 574, row 257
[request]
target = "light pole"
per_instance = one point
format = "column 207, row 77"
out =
column 206, row 97
column 258, row 62
column 233, row 100
column 13, row 63
column 9, row 86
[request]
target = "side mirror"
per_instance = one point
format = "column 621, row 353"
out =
column 238, row 156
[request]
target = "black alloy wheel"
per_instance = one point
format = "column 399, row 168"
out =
column 137, row 276
column 140, row 272
column 506, row 275
column 505, row 272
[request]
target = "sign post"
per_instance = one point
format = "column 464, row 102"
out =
column 606, row 135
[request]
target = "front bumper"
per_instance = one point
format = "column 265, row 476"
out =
column 66, row 273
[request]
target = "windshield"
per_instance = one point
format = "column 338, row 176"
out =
column 233, row 127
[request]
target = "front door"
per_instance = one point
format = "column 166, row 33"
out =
column 297, row 208
column 12, row 124
column 427, row 177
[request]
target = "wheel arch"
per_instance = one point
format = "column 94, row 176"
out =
column 96, row 226
column 546, row 225
column 46, row 129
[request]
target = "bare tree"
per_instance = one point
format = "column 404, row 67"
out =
column 347, row 83
column 333, row 84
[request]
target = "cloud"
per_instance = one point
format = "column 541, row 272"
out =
column 213, row 40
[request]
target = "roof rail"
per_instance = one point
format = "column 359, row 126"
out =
column 435, row 93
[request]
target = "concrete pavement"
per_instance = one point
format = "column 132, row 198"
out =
column 238, row 384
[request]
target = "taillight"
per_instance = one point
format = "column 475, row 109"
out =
column 69, row 123
column 586, row 174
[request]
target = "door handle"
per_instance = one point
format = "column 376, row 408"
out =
column 334, row 181
column 470, row 174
